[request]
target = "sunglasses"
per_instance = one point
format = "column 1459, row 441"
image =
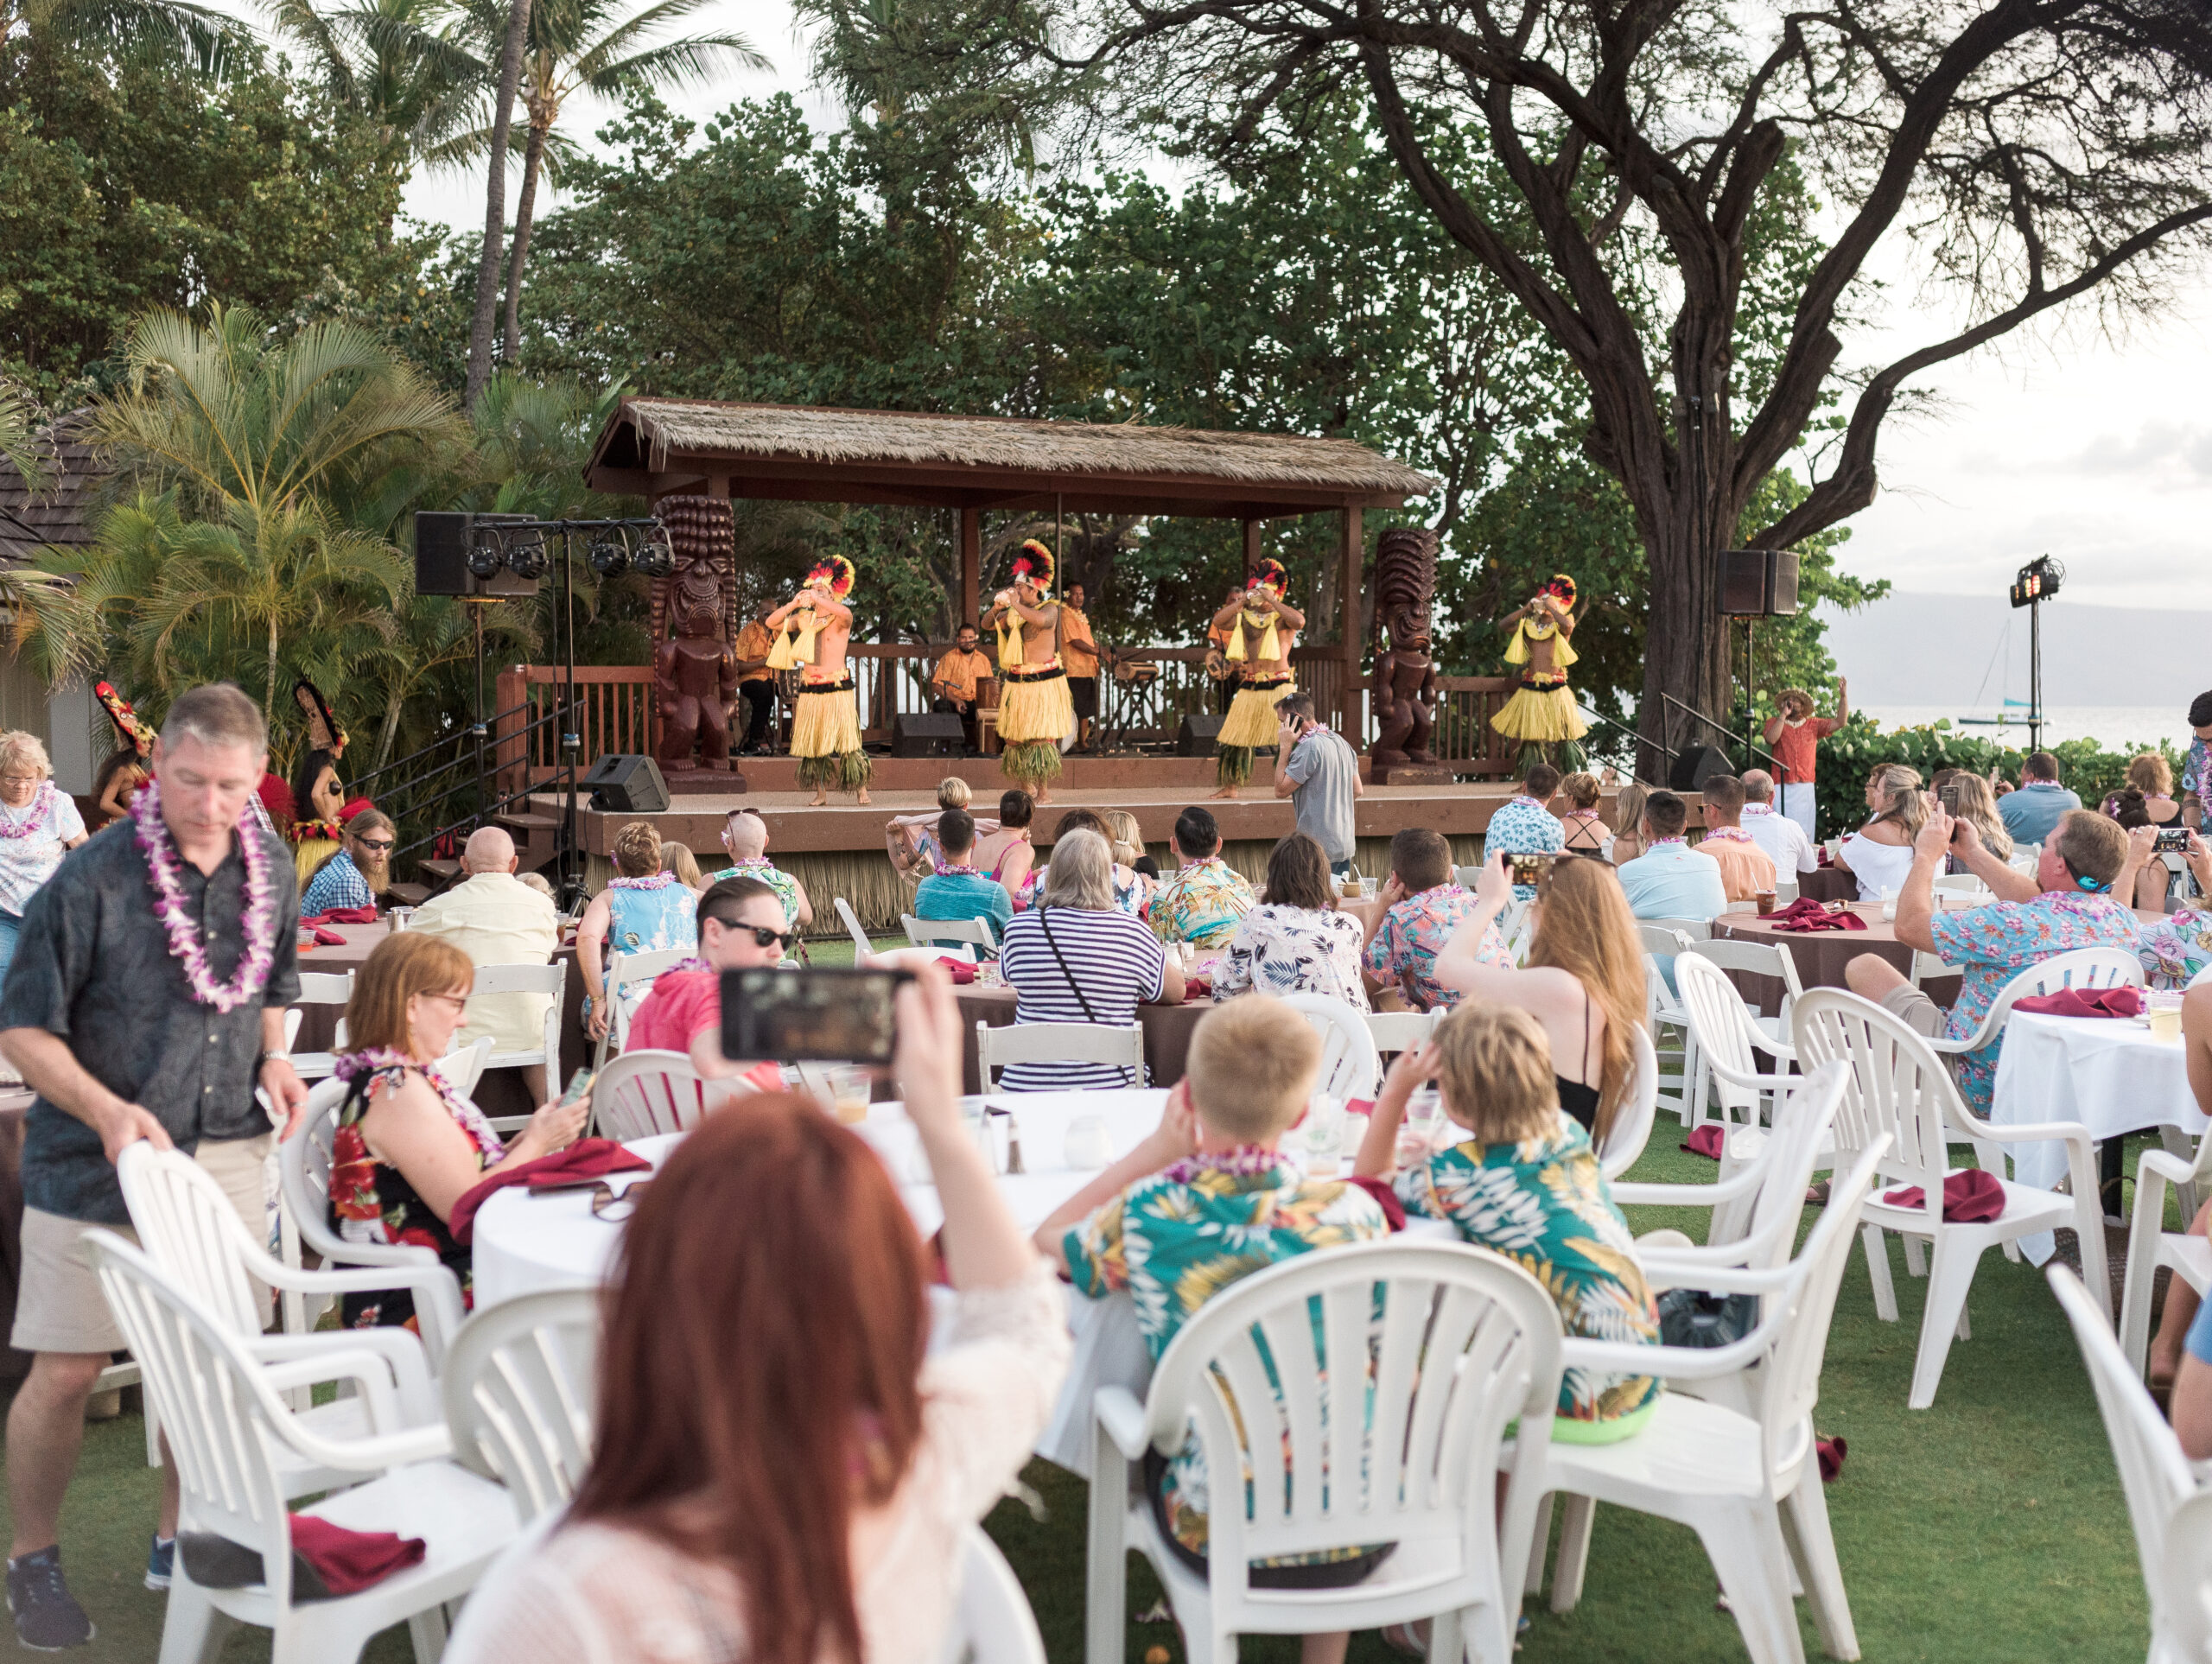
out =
column 380, row 846
column 606, row 1202
column 761, row 935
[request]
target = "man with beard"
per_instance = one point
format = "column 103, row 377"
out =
column 360, row 871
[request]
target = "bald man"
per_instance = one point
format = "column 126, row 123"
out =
column 744, row 835
column 497, row 919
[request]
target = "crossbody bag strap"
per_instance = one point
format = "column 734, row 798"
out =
column 1044, row 924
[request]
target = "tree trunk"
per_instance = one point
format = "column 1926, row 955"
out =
column 495, row 204
column 510, row 348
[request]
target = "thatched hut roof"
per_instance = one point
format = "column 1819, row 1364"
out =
column 653, row 446
column 60, row 513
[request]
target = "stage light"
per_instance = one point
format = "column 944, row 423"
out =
column 2038, row 581
column 485, row 559
column 610, row 554
column 525, row 552
column 655, row 558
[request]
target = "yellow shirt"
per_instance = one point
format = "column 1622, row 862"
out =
column 958, row 673
column 497, row 919
column 753, row 642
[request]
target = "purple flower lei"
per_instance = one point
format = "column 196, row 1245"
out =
column 34, row 813
column 1244, row 1161
column 175, row 912
column 652, row 881
column 381, row 1060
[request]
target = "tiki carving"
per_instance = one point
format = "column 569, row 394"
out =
column 1405, row 676
column 695, row 623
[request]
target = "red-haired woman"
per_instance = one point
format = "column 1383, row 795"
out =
column 781, row 1477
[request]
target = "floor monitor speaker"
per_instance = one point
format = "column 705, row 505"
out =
column 1201, row 734
column 625, row 783
column 928, row 733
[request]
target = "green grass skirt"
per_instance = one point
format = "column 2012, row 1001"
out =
column 1233, row 766
column 845, row 770
column 1031, row 763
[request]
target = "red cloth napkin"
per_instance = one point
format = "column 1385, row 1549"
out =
column 342, row 916
column 1807, row 914
column 328, row 938
column 588, row 1158
column 1198, row 986
column 1359, row 1106
column 1705, row 1141
column 1971, row 1197
column 963, row 970
column 350, row 1561
column 1393, row 1209
column 2075, row 1003
column 1830, row 1452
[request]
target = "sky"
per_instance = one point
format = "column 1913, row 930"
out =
column 2096, row 449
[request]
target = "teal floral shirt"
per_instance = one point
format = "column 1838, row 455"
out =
column 784, row 885
column 1178, row 1238
column 1544, row 1205
column 1200, row 904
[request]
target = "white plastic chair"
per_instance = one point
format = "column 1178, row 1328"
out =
column 863, row 948
column 319, row 989
column 991, row 1619
column 1733, row 1478
column 1405, row 1413
column 1728, row 1037
column 1697, row 929
column 519, row 1394
column 551, row 980
column 1020, row 1043
column 1394, row 1032
column 2151, row 1244
column 646, row 1092
column 2166, row 1501
column 226, row 1427
column 2203, row 974
column 1350, row 1068
column 630, row 977
column 1631, row 1128
column 929, row 932
column 1756, row 959
column 463, row 1066
column 1901, row 1088
column 1662, row 1012
column 1958, row 884
column 2084, row 967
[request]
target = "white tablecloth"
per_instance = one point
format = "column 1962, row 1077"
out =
column 2103, row 1073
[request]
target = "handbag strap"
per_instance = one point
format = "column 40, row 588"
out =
column 1044, row 924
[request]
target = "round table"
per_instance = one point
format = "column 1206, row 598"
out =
column 1821, row 956
column 1829, row 884
column 527, row 1244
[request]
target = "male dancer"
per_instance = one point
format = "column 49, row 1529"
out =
column 826, row 725
column 1262, row 629
column 1795, row 734
column 1036, row 715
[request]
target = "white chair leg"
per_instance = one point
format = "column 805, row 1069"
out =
column 1812, row 1548
column 1107, row 1583
column 1877, row 1271
column 1539, row 1546
column 1948, row 1283
column 1916, row 1261
column 1746, row 1547
column 192, row 1631
column 2179, row 1144
column 428, row 1631
column 1576, row 1514
column 2096, row 1268
column 2143, row 1230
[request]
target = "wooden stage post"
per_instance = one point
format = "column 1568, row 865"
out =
column 971, row 562
column 1351, row 547
column 1252, row 529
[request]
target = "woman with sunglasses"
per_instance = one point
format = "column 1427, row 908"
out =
column 408, row 1145
column 740, row 927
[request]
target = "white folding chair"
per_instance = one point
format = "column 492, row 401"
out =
column 1662, row 1012
column 519, row 1390
column 629, row 979
column 1958, row 884
column 1026, row 1043
column 2151, row 1244
column 1901, row 1091
column 1394, row 1032
column 1631, row 1128
column 463, row 1066
column 2166, row 1501
column 646, row 1092
column 1926, row 964
column 1404, row 1413
column 1350, row 1068
column 227, row 1427
column 929, row 932
column 991, row 1619
column 861, row 946
column 1748, row 1484
column 551, row 980
column 319, row 989
column 1697, row 929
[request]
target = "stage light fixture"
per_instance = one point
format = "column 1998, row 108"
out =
column 654, row 557
column 485, row 558
column 610, row 554
column 2038, row 581
column 525, row 552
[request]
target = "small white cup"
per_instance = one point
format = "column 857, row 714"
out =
column 1085, row 1147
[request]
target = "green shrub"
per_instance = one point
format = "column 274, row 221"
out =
column 1853, row 753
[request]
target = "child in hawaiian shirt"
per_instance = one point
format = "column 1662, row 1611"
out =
column 1526, row 1185
column 1205, row 1201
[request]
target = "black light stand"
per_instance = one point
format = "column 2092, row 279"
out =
column 2034, row 584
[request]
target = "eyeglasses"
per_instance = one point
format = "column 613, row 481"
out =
column 458, row 1001
column 762, row 936
column 379, row 845
column 21, row 779
column 605, row 1203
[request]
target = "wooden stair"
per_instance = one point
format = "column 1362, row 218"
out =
column 538, row 837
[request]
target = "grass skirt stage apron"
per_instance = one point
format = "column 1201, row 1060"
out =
column 1036, row 713
column 1251, row 723
column 826, row 737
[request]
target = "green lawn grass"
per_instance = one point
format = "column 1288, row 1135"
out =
column 1990, row 1527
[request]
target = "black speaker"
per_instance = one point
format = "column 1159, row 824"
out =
column 1201, row 734
column 1696, row 765
column 928, row 733
column 441, row 545
column 622, row 782
column 1758, row 583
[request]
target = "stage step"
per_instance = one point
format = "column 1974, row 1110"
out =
column 407, row 895
column 439, row 871
column 538, row 837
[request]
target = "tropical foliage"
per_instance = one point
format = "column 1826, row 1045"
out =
column 2086, row 766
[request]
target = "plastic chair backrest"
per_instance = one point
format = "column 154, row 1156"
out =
column 1791, row 1386
column 1350, row 1068
column 1718, row 1016
column 646, row 1092
column 1753, row 959
column 522, row 979
column 928, row 932
column 1020, row 1043
column 2181, row 1601
column 2154, row 1476
column 1792, row 1151
column 991, row 1619
column 1697, row 929
column 1631, row 1128
column 630, row 976
column 1898, row 1087
column 520, row 1394
column 463, row 1066
column 1399, row 1030
column 303, row 1170
column 186, row 1226
column 861, row 943
column 2083, row 968
column 1401, row 1365
column 1663, row 938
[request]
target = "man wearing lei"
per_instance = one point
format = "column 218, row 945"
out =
column 813, row 631
column 1262, row 628
column 146, row 1001
column 1036, row 710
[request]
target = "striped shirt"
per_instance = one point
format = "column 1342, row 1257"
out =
column 1117, row 962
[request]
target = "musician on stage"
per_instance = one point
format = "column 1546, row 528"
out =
column 1262, row 629
column 813, row 631
column 952, row 684
column 1080, row 653
column 1036, row 715
column 1542, row 712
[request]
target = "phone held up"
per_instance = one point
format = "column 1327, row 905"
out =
column 578, row 1083
column 811, row 1016
column 2171, row 840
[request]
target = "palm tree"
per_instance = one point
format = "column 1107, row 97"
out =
column 406, row 66
column 157, row 31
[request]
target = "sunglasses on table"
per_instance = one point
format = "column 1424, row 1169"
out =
column 606, row 1202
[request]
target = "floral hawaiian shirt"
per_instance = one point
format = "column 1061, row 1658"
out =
column 1543, row 1204
column 1200, row 904
column 784, row 885
column 2196, row 771
column 2175, row 947
column 1414, row 932
column 1992, row 945
column 1293, row 950
column 1523, row 827
column 1178, row 1238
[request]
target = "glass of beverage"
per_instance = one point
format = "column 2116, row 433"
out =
column 1085, row 1147
column 1321, row 1132
column 1765, row 900
column 987, row 974
column 2165, row 1016
column 851, row 1088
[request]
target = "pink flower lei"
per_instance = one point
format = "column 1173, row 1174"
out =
column 382, row 1060
column 175, row 912
column 34, row 813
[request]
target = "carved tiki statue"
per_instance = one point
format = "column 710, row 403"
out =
column 695, row 667
column 1405, row 677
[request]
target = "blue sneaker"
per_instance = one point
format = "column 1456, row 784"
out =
column 161, row 1562
column 47, row 1617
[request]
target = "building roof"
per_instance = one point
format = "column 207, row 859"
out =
column 798, row 452
column 59, row 512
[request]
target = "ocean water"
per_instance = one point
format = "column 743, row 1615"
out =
column 2114, row 727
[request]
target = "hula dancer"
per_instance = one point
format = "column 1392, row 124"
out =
column 1036, row 712
column 1262, row 629
column 1542, row 712
column 811, row 632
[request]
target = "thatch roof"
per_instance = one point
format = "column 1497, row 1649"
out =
column 59, row 513
column 890, row 456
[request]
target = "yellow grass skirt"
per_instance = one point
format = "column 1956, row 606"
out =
column 826, row 739
column 1252, row 722
column 309, row 854
column 1033, row 718
column 1540, row 716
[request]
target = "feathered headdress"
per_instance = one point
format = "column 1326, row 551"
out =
column 1269, row 571
column 1562, row 586
column 129, row 725
column 836, row 571
column 1032, row 563
column 323, row 732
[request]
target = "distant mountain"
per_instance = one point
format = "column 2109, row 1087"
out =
column 1972, row 651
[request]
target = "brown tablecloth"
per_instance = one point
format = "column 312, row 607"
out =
column 1821, row 956
column 1166, row 1031
column 1829, row 883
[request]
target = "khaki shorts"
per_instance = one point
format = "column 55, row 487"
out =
column 58, row 1306
column 1915, row 1011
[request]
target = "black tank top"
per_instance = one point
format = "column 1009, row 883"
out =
column 1579, row 1098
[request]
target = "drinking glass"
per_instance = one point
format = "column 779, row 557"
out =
column 1321, row 1132
column 851, row 1088
column 1085, row 1147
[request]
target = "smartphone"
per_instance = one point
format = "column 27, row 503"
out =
column 1948, row 796
column 811, row 1016
column 578, row 1083
column 2171, row 840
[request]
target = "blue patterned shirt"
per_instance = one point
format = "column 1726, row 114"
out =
column 1523, row 827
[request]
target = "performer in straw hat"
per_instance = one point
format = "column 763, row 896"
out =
column 811, row 632
column 1542, row 712
column 1036, row 712
column 1262, row 629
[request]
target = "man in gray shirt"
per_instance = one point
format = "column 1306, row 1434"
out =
column 1319, row 773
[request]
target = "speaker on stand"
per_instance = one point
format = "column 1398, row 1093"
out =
column 623, row 783
column 1755, row 583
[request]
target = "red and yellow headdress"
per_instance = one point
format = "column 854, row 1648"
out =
column 1032, row 563
column 836, row 571
column 1270, row 571
column 1562, row 586
column 128, row 723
